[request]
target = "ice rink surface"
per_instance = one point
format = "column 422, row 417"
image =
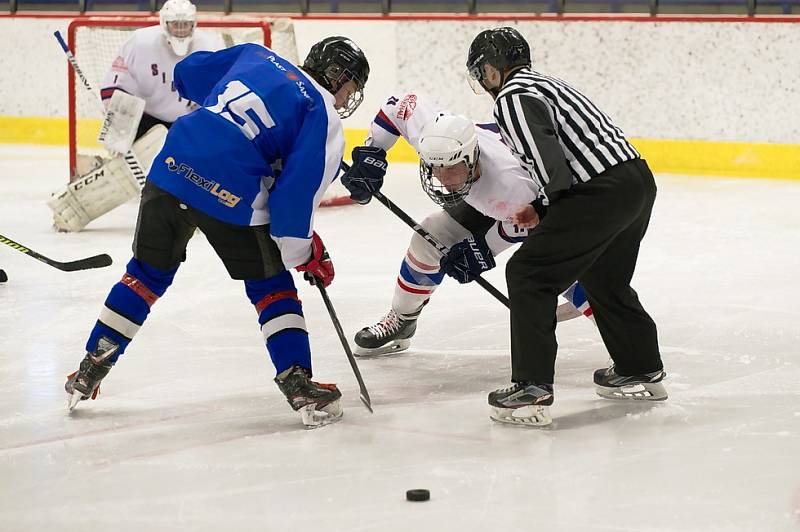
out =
column 190, row 432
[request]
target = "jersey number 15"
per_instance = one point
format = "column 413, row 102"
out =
column 242, row 107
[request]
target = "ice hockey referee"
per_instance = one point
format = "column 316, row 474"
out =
column 596, row 197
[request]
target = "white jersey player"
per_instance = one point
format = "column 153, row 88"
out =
column 145, row 63
column 141, row 103
column 483, row 204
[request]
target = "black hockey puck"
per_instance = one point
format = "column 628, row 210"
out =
column 418, row 495
column 3, row 276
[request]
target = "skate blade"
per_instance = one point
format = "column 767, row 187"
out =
column 528, row 416
column 313, row 418
column 650, row 391
column 73, row 399
column 393, row 347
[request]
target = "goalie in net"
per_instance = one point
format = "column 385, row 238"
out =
column 141, row 104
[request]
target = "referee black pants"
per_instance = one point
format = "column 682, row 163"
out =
column 591, row 235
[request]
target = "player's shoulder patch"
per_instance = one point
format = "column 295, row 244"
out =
column 406, row 106
column 119, row 64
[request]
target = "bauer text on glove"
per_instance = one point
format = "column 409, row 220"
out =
column 467, row 259
column 365, row 177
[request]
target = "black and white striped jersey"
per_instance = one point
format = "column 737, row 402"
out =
column 558, row 135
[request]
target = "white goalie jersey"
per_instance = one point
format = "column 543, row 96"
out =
column 503, row 188
column 144, row 68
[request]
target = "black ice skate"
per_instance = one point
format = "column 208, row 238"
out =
column 522, row 403
column 85, row 382
column 391, row 334
column 647, row 387
column 317, row 403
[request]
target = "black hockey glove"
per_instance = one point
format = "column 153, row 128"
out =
column 365, row 177
column 468, row 259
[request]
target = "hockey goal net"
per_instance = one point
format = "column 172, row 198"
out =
column 96, row 41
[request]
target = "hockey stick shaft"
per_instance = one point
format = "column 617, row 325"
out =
column 364, row 395
column 430, row 239
column 129, row 157
column 409, row 221
column 98, row 261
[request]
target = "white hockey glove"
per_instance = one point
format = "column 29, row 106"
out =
column 123, row 114
column 104, row 188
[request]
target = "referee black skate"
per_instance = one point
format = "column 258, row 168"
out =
column 592, row 212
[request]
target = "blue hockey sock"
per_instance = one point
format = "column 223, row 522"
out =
column 127, row 306
column 280, row 314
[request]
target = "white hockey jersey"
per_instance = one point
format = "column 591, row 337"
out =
column 504, row 187
column 144, row 68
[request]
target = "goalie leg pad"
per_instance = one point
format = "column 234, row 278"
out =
column 104, row 188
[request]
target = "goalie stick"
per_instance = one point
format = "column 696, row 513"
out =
column 129, row 157
column 432, row 240
column 98, row 261
column 364, row 395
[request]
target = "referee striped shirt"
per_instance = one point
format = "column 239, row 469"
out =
column 558, row 135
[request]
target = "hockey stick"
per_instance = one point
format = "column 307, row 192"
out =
column 338, row 326
column 129, row 157
column 98, row 261
column 432, row 240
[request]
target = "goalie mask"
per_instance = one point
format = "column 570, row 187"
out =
column 334, row 61
column 448, row 149
column 503, row 48
column 178, row 20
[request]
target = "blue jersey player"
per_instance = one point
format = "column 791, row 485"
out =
column 248, row 168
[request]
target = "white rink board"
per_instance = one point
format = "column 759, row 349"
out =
column 190, row 433
column 717, row 81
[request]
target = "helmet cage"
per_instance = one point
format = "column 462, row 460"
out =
column 333, row 62
column 182, row 11
column 438, row 192
column 337, row 76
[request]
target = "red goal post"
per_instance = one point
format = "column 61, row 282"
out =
column 95, row 42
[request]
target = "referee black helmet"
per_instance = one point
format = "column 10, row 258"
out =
column 503, row 48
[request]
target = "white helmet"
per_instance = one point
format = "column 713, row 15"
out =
column 445, row 142
column 178, row 19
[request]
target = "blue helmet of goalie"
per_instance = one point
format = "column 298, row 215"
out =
column 178, row 19
column 448, row 166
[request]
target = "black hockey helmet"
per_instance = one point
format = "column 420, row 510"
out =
column 503, row 48
column 334, row 61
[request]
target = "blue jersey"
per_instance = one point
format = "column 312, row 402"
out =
column 257, row 110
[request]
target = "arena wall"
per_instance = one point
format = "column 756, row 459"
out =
column 699, row 96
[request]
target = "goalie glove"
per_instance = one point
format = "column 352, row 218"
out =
column 365, row 177
column 467, row 259
column 123, row 114
column 320, row 267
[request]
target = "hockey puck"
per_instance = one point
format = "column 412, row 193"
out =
column 418, row 495
column 3, row 276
